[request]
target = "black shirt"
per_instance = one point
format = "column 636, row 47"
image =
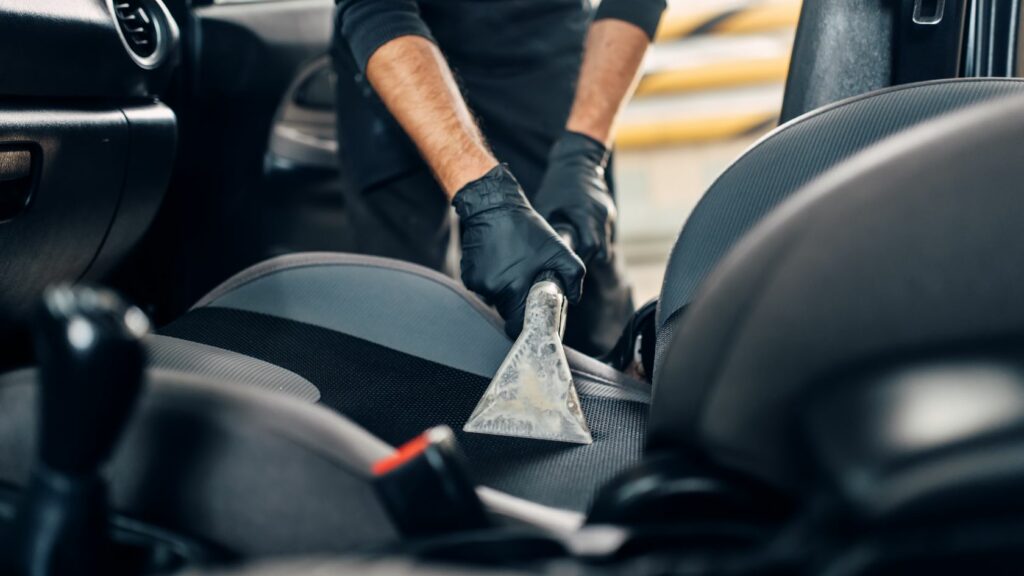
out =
column 516, row 60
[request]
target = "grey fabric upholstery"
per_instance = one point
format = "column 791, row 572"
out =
column 198, row 360
column 788, row 158
column 402, row 306
column 910, row 248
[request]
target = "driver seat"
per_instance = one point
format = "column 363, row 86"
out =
column 398, row 348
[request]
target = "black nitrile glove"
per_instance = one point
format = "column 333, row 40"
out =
column 506, row 245
column 574, row 192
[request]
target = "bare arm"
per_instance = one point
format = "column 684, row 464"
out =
column 413, row 79
column 574, row 190
column 614, row 53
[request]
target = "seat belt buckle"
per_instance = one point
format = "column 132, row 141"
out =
column 426, row 487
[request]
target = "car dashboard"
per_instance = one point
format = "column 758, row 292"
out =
column 86, row 146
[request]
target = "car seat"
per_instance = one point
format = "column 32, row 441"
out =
column 398, row 348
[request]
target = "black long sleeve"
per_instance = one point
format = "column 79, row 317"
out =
column 366, row 25
column 644, row 13
column 369, row 24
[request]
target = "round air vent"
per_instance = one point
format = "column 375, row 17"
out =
column 137, row 26
column 146, row 28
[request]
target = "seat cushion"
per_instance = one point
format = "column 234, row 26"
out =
column 245, row 470
column 785, row 160
column 399, row 348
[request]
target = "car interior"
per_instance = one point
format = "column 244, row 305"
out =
column 187, row 388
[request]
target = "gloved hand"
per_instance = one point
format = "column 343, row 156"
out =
column 506, row 244
column 574, row 192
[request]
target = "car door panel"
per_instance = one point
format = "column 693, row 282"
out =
column 243, row 59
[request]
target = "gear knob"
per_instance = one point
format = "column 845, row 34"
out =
column 90, row 355
column 88, row 346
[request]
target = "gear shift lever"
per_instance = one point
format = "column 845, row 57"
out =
column 91, row 360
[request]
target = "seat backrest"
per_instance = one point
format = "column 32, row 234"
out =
column 785, row 160
column 913, row 246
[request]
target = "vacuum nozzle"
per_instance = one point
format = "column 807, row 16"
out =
column 532, row 395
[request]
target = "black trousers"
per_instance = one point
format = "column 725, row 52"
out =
column 409, row 218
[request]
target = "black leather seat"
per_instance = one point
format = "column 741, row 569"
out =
column 857, row 266
column 398, row 348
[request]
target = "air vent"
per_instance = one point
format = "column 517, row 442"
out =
column 147, row 30
column 139, row 27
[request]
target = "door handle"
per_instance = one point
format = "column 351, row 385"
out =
column 15, row 181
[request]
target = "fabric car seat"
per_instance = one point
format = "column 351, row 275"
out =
column 398, row 348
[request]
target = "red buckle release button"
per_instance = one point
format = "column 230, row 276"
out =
column 406, row 452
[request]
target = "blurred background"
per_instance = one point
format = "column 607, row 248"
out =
column 712, row 85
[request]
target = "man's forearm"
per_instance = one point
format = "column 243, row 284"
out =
column 413, row 79
column 614, row 53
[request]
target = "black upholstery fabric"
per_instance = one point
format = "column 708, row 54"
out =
column 788, row 158
column 396, row 396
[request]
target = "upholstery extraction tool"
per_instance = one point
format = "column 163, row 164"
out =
column 532, row 395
